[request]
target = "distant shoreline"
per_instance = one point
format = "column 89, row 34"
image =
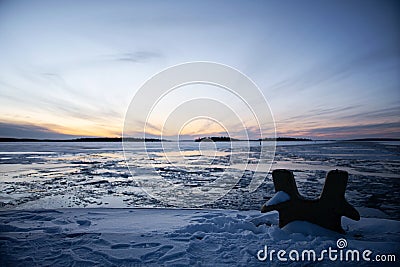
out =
column 84, row 139
column 229, row 139
column 213, row 139
column 374, row 139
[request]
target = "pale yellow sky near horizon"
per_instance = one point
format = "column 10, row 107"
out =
column 328, row 70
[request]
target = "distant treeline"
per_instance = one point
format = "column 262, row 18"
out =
column 212, row 138
column 216, row 139
column 83, row 139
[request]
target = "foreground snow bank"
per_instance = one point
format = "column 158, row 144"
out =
column 172, row 237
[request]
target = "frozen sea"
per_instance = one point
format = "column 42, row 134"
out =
column 62, row 175
column 77, row 204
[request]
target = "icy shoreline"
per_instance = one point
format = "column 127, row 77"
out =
column 172, row 237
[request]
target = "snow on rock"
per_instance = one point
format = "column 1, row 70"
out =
column 171, row 237
column 279, row 197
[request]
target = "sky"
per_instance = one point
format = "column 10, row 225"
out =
column 328, row 69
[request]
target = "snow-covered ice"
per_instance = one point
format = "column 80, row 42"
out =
column 60, row 175
column 38, row 181
column 172, row 237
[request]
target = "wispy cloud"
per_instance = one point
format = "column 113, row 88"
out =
column 391, row 113
column 342, row 66
column 14, row 130
column 326, row 68
column 388, row 130
column 321, row 113
column 135, row 57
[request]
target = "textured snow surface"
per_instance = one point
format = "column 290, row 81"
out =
column 171, row 237
column 91, row 175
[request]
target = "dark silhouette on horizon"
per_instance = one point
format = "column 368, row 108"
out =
column 214, row 139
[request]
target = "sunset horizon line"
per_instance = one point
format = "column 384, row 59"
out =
column 194, row 139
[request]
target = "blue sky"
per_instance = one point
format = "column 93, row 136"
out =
column 329, row 69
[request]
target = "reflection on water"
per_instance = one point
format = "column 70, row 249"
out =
column 53, row 175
